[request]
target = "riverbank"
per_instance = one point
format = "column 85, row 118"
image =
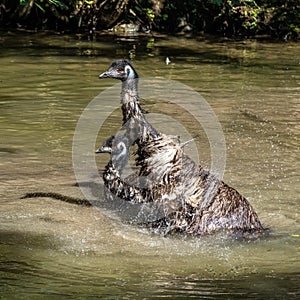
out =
column 279, row 20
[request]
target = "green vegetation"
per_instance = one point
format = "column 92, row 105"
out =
column 235, row 18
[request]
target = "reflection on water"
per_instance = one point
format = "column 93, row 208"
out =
column 49, row 248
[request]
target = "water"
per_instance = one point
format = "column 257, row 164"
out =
column 50, row 249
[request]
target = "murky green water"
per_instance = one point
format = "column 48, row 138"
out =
column 50, row 249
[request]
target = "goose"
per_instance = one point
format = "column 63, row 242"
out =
column 201, row 203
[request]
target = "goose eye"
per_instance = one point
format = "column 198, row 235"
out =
column 119, row 71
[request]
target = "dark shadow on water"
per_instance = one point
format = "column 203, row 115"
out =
column 23, row 273
column 108, row 45
column 27, row 240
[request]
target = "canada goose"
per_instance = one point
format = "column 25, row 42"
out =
column 203, row 204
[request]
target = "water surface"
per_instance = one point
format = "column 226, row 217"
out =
column 52, row 249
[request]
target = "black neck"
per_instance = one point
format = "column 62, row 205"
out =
column 137, row 126
column 130, row 90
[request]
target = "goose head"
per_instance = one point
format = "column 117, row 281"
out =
column 121, row 69
column 118, row 147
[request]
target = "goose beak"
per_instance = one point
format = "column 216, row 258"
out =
column 103, row 149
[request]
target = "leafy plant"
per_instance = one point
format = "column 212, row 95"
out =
column 243, row 18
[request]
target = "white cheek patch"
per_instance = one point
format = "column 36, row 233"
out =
column 130, row 72
column 121, row 146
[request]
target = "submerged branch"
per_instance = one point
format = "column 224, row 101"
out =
column 57, row 196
